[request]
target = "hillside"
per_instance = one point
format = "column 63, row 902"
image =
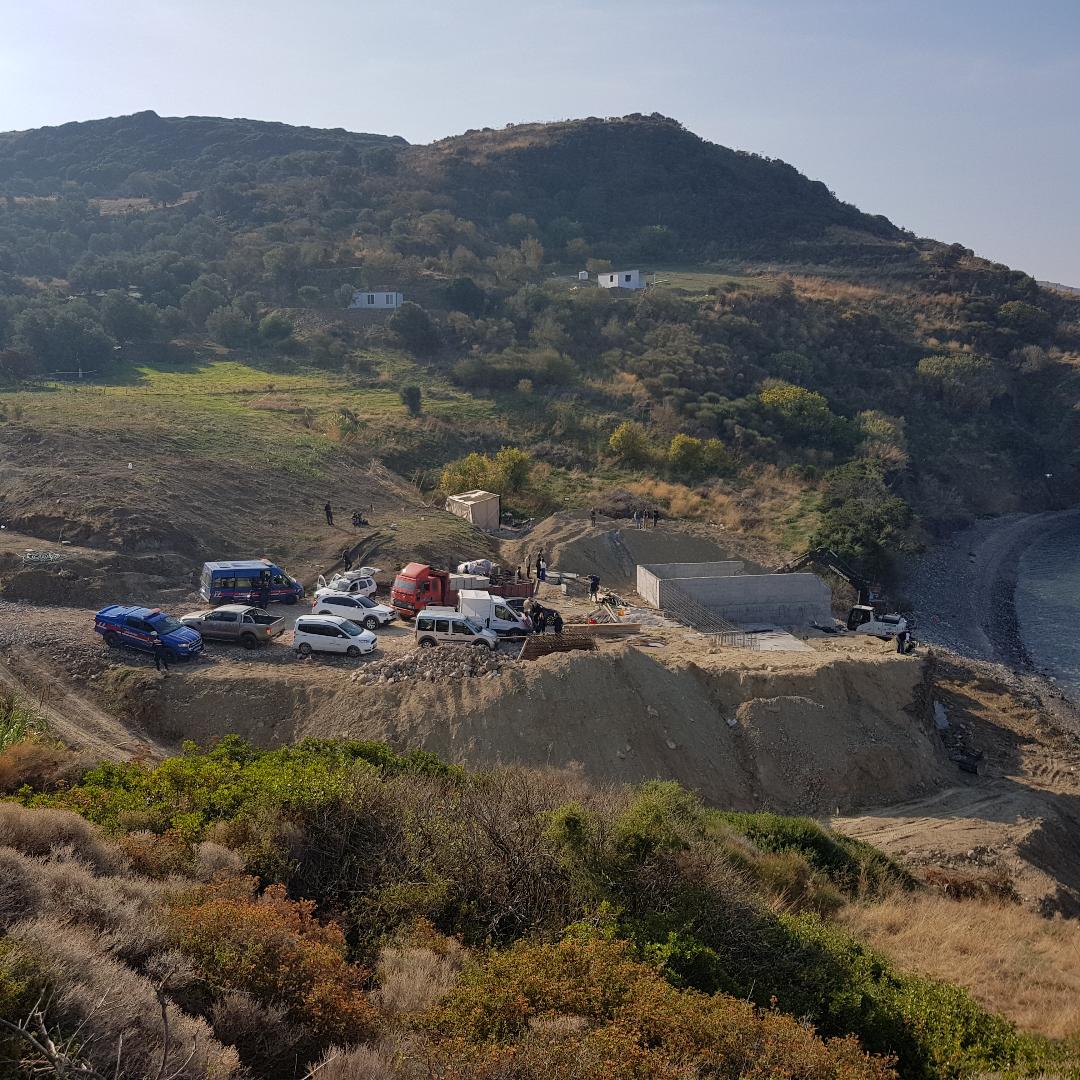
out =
column 801, row 371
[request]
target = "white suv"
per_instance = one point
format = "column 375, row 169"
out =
column 329, row 633
column 354, row 582
column 446, row 627
column 358, row 609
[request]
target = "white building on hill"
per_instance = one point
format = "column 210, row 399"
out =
column 378, row 300
column 622, row 279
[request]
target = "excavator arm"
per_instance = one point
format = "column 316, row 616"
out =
column 829, row 560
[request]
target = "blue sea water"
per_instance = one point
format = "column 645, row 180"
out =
column 1048, row 606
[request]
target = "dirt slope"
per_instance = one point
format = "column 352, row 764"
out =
column 613, row 549
column 831, row 732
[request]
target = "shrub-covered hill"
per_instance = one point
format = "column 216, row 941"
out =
column 121, row 155
column 800, row 370
column 643, row 183
column 238, row 912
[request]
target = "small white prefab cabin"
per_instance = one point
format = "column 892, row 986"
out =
column 583, row 275
column 376, row 301
column 622, row 279
column 482, row 508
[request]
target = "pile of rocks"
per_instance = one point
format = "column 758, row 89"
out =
column 435, row 665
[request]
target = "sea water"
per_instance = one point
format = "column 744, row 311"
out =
column 1048, row 605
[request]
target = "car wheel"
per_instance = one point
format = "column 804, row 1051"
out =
column 371, row 623
column 427, row 643
column 249, row 641
column 481, row 645
column 304, row 649
column 352, row 652
column 112, row 639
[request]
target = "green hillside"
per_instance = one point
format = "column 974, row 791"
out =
column 800, row 370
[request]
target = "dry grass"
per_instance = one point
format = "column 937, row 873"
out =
column 411, row 980
column 1013, row 961
column 42, row 831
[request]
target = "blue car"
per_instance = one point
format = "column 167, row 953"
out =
column 248, row 581
column 143, row 628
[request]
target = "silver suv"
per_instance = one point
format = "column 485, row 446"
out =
column 447, row 627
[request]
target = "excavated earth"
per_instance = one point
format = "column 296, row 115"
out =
column 817, row 733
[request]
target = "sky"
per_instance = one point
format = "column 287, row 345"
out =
column 957, row 119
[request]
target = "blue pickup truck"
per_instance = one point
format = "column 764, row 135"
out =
column 143, row 628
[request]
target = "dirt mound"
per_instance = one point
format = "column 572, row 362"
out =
column 574, row 545
column 435, row 666
column 837, row 733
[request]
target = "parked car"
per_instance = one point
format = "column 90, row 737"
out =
column 358, row 609
column 249, row 580
column 354, row 582
column 250, row 626
column 444, row 626
column 332, row 634
column 147, row 629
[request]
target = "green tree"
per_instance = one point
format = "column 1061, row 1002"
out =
column 466, row 474
column 804, row 414
column 511, row 469
column 275, row 327
column 963, row 381
column 230, row 327
column 686, row 456
column 198, row 302
column 309, row 295
column 126, row 319
column 415, row 329
column 629, row 442
column 412, row 398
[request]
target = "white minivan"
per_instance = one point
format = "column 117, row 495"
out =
column 444, row 626
column 332, row 634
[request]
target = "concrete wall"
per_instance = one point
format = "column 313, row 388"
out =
column 744, row 599
column 649, row 576
column 780, row 599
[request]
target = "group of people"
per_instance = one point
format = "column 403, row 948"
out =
column 539, row 563
column 643, row 517
column 358, row 518
column 543, row 617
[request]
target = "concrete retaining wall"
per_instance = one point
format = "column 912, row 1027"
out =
column 650, row 576
column 744, row 599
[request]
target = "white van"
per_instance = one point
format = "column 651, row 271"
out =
column 332, row 634
column 445, row 626
column 492, row 612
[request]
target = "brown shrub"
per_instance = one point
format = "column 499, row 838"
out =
column 158, row 856
column 40, row 831
column 275, row 950
column 116, row 1011
column 365, row 1063
column 42, row 766
column 212, row 859
column 22, row 894
column 261, row 1033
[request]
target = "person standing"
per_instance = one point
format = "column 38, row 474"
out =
column 264, row 589
column 328, row 510
column 901, row 641
column 592, row 517
column 539, row 564
column 541, row 570
column 161, row 655
column 528, row 566
column 594, row 588
column 556, row 622
column 346, row 559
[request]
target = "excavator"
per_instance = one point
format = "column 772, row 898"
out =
column 870, row 614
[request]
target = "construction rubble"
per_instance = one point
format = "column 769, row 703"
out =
column 435, row 665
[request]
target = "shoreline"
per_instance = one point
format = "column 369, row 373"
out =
column 963, row 593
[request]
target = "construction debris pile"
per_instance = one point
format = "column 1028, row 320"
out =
column 434, row 665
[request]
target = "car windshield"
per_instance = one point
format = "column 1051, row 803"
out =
column 404, row 585
column 166, row 624
column 363, row 601
column 473, row 625
column 351, row 629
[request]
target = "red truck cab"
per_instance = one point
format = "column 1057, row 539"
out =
column 418, row 586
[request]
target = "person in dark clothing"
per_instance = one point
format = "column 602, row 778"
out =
column 346, row 559
column 539, row 565
column 592, row 517
column 540, row 617
column 264, row 589
column 328, row 510
column 556, row 623
column 594, row 588
column 161, row 656
column 901, row 641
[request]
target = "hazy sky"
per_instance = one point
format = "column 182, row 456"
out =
column 956, row 118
